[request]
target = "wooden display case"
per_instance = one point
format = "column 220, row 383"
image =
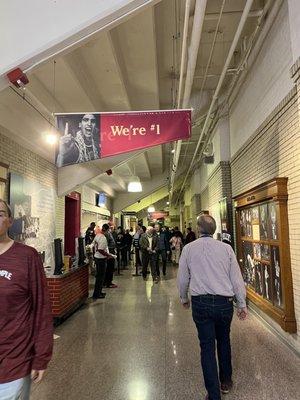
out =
column 264, row 252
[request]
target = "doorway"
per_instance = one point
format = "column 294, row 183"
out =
column 72, row 221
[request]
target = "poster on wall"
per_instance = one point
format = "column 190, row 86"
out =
column 273, row 221
column 276, row 276
column 90, row 136
column 259, row 278
column 248, row 263
column 267, row 289
column 33, row 209
column 225, row 223
column 263, row 221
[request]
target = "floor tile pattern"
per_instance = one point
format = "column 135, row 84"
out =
column 140, row 344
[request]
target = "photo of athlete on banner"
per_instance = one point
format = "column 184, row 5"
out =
column 80, row 139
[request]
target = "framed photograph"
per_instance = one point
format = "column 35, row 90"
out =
column 255, row 232
column 267, row 282
column 259, row 278
column 255, row 214
column 248, row 263
column 256, row 250
column 243, row 222
column 265, row 252
column 263, row 221
column 273, row 221
column 225, row 220
column 275, row 262
column 248, row 222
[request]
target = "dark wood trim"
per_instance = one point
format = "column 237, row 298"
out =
column 274, row 191
column 3, row 180
column 2, row 164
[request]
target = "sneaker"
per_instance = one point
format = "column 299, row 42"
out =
column 226, row 387
column 112, row 286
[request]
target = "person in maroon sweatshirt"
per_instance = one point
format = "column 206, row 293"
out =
column 26, row 327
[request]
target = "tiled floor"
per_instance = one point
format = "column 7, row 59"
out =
column 140, row 344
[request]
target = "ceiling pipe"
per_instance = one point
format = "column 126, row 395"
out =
column 223, row 74
column 253, row 51
column 184, row 49
column 250, row 56
column 192, row 60
column 214, row 16
column 182, row 69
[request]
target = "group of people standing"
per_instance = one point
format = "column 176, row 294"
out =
column 158, row 243
column 151, row 245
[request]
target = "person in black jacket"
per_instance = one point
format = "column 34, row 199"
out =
column 121, row 248
column 108, row 280
column 190, row 237
column 90, row 233
column 128, row 243
column 136, row 246
column 163, row 248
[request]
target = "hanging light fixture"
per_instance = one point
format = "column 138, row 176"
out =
column 134, row 185
column 151, row 208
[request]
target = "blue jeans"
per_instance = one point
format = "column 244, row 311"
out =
column 16, row 390
column 212, row 316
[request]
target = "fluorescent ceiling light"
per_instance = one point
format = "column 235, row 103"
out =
column 135, row 185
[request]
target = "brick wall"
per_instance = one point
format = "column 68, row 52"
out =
column 34, row 167
column 68, row 291
column 274, row 151
column 266, row 84
column 218, row 186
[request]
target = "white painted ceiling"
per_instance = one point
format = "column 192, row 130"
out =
column 134, row 66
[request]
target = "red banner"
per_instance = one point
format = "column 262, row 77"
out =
column 89, row 136
column 125, row 132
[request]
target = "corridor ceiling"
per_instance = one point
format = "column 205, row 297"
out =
column 134, row 66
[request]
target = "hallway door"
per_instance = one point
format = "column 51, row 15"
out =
column 72, row 221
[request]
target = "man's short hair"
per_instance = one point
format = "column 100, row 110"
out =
column 207, row 224
column 105, row 227
column 7, row 206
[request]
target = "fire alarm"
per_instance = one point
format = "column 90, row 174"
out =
column 109, row 172
column 18, row 77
